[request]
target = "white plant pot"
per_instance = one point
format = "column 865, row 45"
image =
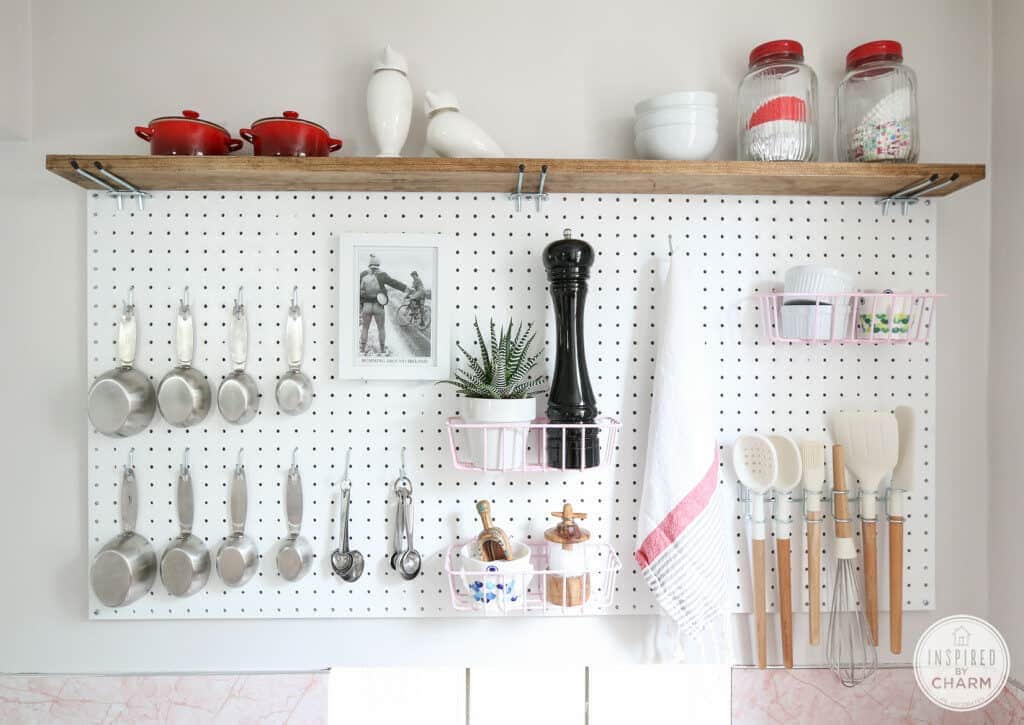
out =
column 389, row 105
column 499, row 449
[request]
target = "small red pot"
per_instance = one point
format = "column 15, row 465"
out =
column 289, row 135
column 187, row 135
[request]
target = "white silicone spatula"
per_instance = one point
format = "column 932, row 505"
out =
column 812, row 454
column 872, row 445
column 757, row 466
column 902, row 481
column 790, row 469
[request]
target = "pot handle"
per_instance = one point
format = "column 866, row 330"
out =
column 127, row 331
column 129, row 495
column 186, row 500
column 185, row 332
column 234, row 144
column 293, row 332
column 247, row 134
column 145, row 132
column 333, row 144
column 293, row 498
column 238, row 503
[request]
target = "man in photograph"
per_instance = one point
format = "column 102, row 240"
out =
column 373, row 296
column 415, row 295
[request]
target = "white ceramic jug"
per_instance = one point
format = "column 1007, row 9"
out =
column 450, row 133
column 389, row 102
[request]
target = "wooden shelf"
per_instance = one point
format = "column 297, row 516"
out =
column 608, row 176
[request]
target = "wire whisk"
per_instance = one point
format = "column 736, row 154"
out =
column 849, row 647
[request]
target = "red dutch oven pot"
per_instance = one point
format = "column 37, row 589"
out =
column 289, row 135
column 187, row 135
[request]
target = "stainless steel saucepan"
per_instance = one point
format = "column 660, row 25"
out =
column 184, row 393
column 122, row 401
column 238, row 397
column 125, row 568
column 294, row 389
column 238, row 558
column 295, row 556
column 185, row 565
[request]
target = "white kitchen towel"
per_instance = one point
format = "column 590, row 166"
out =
column 680, row 536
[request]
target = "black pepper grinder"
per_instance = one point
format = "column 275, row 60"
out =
column 571, row 399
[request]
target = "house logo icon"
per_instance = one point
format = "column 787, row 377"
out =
column 961, row 637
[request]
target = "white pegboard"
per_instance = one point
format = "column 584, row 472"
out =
column 268, row 242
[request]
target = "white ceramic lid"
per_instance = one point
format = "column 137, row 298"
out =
column 390, row 59
column 680, row 98
column 439, row 101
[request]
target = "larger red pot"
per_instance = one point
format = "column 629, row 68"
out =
column 187, row 135
column 289, row 135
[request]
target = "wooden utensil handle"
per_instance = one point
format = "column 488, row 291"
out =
column 782, row 560
column 896, row 584
column 840, row 503
column 760, row 623
column 484, row 509
column 814, row 577
column 869, row 532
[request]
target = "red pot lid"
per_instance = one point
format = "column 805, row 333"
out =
column 290, row 116
column 787, row 49
column 875, row 50
column 192, row 116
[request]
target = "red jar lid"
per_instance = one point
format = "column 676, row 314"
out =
column 788, row 49
column 875, row 50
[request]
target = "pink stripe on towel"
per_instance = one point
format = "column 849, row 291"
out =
column 673, row 525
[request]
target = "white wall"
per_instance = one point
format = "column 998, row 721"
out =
column 545, row 78
column 1006, row 395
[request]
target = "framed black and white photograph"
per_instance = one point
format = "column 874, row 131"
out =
column 394, row 308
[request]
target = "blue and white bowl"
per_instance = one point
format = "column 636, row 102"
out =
column 500, row 583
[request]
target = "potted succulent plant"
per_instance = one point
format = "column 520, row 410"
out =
column 498, row 386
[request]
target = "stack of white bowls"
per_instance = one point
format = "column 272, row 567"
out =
column 680, row 126
column 817, row 303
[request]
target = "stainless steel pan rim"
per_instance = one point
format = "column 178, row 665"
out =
column 125, row 568
column 184, row 395
column 185, row 564
column 122, row 401
column 237, row 558
column 238, row 396
column 294, row 390
column 295, row 555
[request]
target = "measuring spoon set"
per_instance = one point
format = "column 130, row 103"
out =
column 123, row 401
column 125, row 569
column 877, row 446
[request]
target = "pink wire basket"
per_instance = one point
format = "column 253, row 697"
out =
column 524, row 447
column 526, row 592
column 856, row 318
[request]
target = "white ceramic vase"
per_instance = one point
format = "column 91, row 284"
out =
column 389, row 102
column 451, row 134
column 499, row 448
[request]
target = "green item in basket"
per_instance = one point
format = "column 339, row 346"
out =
column 900, row 323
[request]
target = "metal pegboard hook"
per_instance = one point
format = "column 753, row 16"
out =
column 348, row 462
column 295, row 460
column 401, row 471
column 130, row 466
column 541, row 196
column 185, row 465
column 128, row 306
column 132, row 191
column 239, row 466
column 239, row 309
column 184, row 308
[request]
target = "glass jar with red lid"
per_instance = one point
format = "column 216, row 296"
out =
column 778, row 105
column 876, row 106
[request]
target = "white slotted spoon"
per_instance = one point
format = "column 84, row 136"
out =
column 757, row 466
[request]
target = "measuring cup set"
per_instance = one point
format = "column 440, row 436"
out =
column 123, row 401
column 126, row 568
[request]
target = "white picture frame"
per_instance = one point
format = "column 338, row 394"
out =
column 416, row 338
